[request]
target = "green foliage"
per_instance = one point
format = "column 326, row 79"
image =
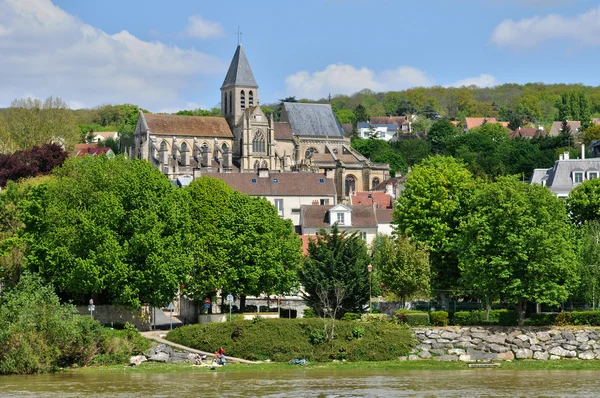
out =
column 563, row 319
column 541, row 319
column 401, row 266
column 334, row 274
column 417, row 319
column 516, row 244
column 439, row 134
column 309, row 313
column 351, row 316
column 583, row 202
column 200, row 112
column 438, row 318
column 358, row 332
column 587, row 318
column 477, row 318
column 374, row 318
column 282, row 339
column 112, row 229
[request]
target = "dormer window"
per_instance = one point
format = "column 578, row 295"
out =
column 592, row 175
column 578, row 177
column 340, row 218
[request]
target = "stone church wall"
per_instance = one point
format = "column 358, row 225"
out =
column 503, row 343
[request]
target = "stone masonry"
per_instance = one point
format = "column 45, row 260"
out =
column 471, row 344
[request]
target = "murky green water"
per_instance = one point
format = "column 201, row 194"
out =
column 464, row 383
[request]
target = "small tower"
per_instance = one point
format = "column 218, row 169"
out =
column 239, row 90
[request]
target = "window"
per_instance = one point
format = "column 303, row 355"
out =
column 309, row 152
column 250, row 98
column 231, row 102
column 253, row 181
column 265, row 165
column 225, row 102
column 578, row 177
column 258, row 143
column 279, row 206
column 363, row 235
column 324, row 202
column 163, row 146
column 592, row 175
column 340, row 218
column 275, row 181
column 296, row 211
column 205, row 147
column 321, row 181
column 183, row 147
column 375, row 182
column 256, row 165
column 242, row 100
column 224, row 147
column 350, row 184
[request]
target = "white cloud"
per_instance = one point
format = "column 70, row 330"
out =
column 346, row 79
column 203, row 28
column 46, row 51
column 583, row 29
column 483, row 80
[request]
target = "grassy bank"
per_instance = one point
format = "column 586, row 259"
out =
column 427, row 365
column 281, row 340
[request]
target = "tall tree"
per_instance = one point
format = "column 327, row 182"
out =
column 39, row 160
column 361, row 114
column 583, row 202
column 402, row 266
column 439, row 133
column 435, row 198
column 516, row 244
column 336, row 263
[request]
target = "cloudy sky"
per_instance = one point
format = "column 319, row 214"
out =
column 166, row 56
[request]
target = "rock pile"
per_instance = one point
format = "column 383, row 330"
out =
column 163, row 353
column 494, row 343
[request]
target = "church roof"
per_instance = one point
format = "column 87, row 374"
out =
column 239, row 73
column 200, row 126
column 312, row 120
column 283, row 131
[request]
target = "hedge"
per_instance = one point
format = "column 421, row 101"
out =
column 438, row 318
column 417, row 319
column 351, row 316
column 286, row 339
column 588, row 318
column 477, row 318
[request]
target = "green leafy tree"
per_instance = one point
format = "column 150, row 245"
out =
column 583, row 202
column 402, row 267
column 435, row 198
column 516, row 244
column 111, row 229
column 439, row 133
column 335, row 271
column 361, row 114
column 589, row 266
column 406, row 108
column 591, row 134
column 413, row 151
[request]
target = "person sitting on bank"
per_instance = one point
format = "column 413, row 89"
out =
column 220, row 356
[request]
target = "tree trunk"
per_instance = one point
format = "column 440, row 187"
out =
column 521, row 311
column 488, row 307
column 222, row 303
column 242, row 303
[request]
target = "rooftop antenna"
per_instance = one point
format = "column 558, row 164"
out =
column 239, row 35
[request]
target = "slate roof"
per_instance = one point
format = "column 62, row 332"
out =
column 557, row 126
column 288, row 184
column 472, row 122
column 317, row 216
column 283, row 131
column 560, row 177
column 239, row 73
column 312, row 120
column 200, row 126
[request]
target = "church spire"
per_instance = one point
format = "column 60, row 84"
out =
column 239, row 73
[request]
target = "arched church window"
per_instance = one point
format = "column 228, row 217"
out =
column 243, row 99
column 309, row 152
column 265, row 165
column 183, row 147
column 231, row 102
column 258, row 143
column 350, row 184
column 250, row 98
column 163, row 146
column 375, row 182
column 225, row 102
column 256, row 164
column 224, row 147
column 205, row 147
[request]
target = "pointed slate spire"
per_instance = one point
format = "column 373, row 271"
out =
column 239, row 73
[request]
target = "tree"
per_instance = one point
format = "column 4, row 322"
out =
column 279, row 108
column 406, row 108
column 583, row 202
column 436, row 196
column 439, row 133
column 360, row 114
column 589, row 267
column 39, row 160
column 591, row 134
column 516, row 244
column 402, row 267
column 336, row 264
column 262, row 250
column 413, row 151
column 110, row 229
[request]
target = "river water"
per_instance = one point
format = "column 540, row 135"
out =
column 451, row 383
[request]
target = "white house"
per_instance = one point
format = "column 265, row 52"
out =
column 96, row 136
column 381, row 131
column 350, row 219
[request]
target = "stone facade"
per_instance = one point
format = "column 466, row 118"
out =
column 497, row 343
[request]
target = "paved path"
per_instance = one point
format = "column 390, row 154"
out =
column 155, row 335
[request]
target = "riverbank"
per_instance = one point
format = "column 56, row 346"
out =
column 423, row 365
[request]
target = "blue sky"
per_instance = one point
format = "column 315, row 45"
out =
column 167, row 56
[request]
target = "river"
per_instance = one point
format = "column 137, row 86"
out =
column 440, row 383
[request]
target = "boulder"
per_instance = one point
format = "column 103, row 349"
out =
column 587, row 355
column 450, row 335
column 179, row 357
column 554, row 357
column 523, row 337
column 496, row 338
column 497, row 348
column 558, row 351
column 425, row 347
column 138, row 359
column 438, row 351
column 543, row 336
column 425, row 355
column 584, row 347
column 446, row 358
column 506, row 356
column 159, row 357
column 568, row 335
column 540, row 355
column 524, row 353
column 478, row 355
column 465, row 358
column 456, row 351
column 414, row 357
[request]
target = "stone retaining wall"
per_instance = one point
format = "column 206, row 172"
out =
column 496, row 343
column 110, row 314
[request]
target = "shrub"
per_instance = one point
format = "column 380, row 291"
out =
column 417, row 319
column 541, row 319
column 309, row 313
column 285, row 339
column 507, row 317
column 589, row 318
column 374, row 318
column 496, row 317
column 351, row 316
column 438, row 318
column 563, row 319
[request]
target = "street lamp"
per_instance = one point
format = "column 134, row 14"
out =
column 370, row 269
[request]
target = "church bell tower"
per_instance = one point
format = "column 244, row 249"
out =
column 239, row 90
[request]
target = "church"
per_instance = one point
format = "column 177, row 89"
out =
column 307, row 139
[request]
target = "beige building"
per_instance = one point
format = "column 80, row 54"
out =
column 308, row 138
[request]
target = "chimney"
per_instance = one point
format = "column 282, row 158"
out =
column 582, row 151
column 566, row 156
column 560, row 157
column 263, row 173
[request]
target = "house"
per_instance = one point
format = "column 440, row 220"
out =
column 472, row 122
column 557, row 127
column 288, row 192
column 94, row 151
column 96, row 136
column 567, row 173
column 403, row 122
column 385, row 218
column 378, row 200
column 307, row 138
column 527, row 132
column 361, row 219
column 381, row 131
column 393, row 186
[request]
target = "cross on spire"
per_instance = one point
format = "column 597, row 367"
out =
column 239, row 35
